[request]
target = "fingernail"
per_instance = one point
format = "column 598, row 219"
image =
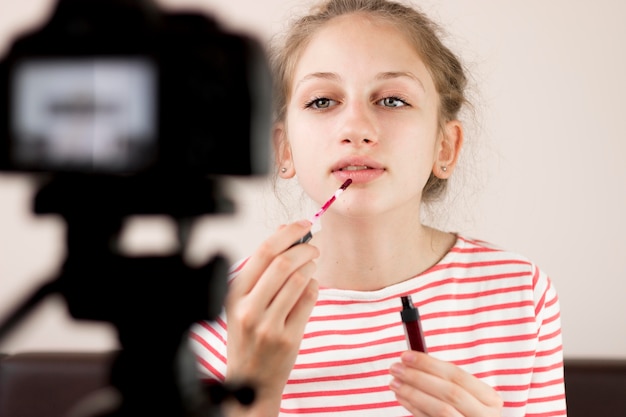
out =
column 409, row 356
column 304, row 223
column 395, row 384
column 397, row 369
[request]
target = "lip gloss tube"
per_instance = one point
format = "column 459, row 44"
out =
column 412, row 325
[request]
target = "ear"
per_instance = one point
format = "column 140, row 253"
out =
column 282, row 151
column 448, row 149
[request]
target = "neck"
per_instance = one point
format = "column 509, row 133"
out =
column 367, row 255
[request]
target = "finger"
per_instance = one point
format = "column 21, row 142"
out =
column 287, row 297
column 448, row 371
column 292, row 268
column 281, row 325
column 430, row 395
column 420, row 404
column 263, row 256
column 449, row 383
column 420, row 392
column 299, row 315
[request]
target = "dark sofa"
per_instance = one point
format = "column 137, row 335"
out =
column 49, row 384
column 595, row 387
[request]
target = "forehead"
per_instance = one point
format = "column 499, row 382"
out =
column 360, row 45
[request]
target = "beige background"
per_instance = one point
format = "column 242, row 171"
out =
column 550, row 183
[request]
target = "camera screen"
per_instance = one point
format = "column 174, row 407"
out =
column 84, row 114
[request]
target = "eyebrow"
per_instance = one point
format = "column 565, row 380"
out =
column 382, row 76
column 400, row 74
column 318, row 75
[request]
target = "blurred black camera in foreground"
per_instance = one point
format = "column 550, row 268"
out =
column 118, row 87
column 131, row 109
column 122, row 109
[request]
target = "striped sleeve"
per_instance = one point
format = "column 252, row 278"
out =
column 208, row 340
column 546, row 397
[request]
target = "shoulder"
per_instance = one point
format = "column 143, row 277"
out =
column 495, row 257
column 476, row 248
column 492, row 257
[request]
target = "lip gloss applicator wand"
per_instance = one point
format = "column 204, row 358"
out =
column 323, row 209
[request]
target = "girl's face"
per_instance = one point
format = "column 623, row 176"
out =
column 363, row 106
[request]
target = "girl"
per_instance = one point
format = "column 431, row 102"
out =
column 366, row 91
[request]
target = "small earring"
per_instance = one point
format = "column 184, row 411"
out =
column 444, row 168
column 283, row 170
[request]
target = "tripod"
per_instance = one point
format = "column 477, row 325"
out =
column 151, row 300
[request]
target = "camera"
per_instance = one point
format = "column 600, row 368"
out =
column 118, row 87
column 121, row 109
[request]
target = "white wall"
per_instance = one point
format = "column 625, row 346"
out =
column 552, row 179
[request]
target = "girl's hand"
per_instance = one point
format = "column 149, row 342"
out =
column 267, row 308
column 430, row 387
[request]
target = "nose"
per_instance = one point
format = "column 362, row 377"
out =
column 359, row 126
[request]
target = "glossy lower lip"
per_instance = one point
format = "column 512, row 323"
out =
column 359, row 177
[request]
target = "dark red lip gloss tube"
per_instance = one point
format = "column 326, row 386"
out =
column 412, row 325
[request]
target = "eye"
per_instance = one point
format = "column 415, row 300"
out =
column 319, row 103
column 392, row 102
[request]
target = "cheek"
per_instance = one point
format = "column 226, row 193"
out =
column 418, row 151
column 304, row 156
column 305, row 137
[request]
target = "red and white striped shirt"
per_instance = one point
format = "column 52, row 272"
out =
column 491, row 312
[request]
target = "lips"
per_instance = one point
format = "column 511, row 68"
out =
column 359, row 169
column 354, row 168
column 356, row 164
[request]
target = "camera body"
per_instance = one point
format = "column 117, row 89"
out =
column 118, row 88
